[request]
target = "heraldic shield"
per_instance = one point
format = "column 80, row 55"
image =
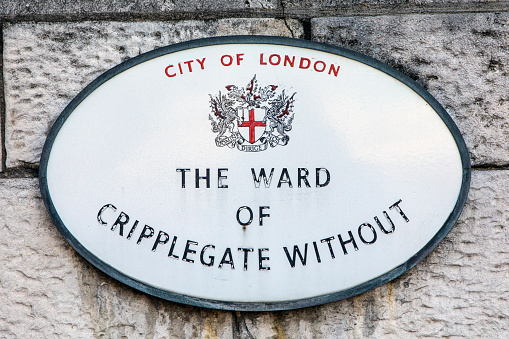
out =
column 252, row 118
column 253, row 127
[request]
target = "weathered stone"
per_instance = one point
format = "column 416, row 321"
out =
column 361, row 4
column 2, row 115
column 46, row 65
column 35, row 7
column 462, row 60
column 460, row 290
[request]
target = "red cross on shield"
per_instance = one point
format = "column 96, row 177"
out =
column 253, row 128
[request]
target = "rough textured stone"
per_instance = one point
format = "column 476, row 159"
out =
column 460, row 290
column 33, row 7
column 366, row 3
column 2, row 116
column 46, row 65
column 462, row 59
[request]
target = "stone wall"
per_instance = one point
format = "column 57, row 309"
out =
column 458, row 50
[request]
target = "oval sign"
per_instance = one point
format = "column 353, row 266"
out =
column 254, row 173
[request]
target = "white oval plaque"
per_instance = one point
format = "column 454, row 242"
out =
column 254, row 173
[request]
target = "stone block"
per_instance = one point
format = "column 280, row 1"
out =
column 363, row 5
column 461, row 59
column 47, row 64
column 2, row 117
column 38, row 7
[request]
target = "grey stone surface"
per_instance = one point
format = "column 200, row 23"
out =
column 460, row 290
column 47, row 64
column 367, row 3
column 35, row 7
column 2, row 106
column 462, row 59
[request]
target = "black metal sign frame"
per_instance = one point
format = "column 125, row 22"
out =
column 255, row 306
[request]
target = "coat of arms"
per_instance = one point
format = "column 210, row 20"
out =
column 251, row 118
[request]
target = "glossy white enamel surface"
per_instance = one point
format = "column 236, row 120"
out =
column 380, row 141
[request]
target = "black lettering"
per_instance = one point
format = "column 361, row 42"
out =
column 302, row 177
column 188, row 250
column 227, row 253
column 396, row 206
column 99, row 215
column 144, row 233
column 296, row 252
column 246, row 251
column 206, row 177
column 263, row 215
column 183, row 171
column 316, row 252
column 261, row 259
column 250, row 216
column 266, row 180
column 132, row 230
column 172, row 248
column 121, row 221
column 211, row 257
column 283, row 180
column 359, row 230
column 220, row 177
column 159, row 241
column 351, row 240
column 382, row 227
column 328, row 240
column 318, row 184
